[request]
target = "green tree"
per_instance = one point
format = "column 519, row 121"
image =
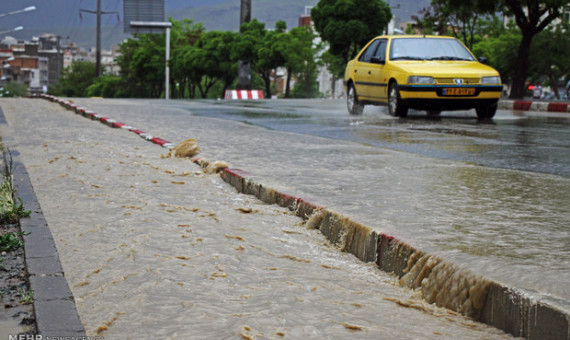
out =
column 336, row 67
column 459, row 18
column 532, row 17
column 347, row 25
column 500, row 48
column 210, row 61
column 142, row 65
column 262, row 48
column 302, row 60
column 184, row 36
column 108, row 86
column 75, row 80
column 14, row 89
column 550, row 55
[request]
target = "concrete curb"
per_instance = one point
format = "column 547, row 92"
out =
column 524, row 105
column 54, row 305
column 442, row 282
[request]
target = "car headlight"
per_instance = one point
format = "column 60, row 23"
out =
column 491, row 80
column 420, row 80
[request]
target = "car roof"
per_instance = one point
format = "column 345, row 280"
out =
column 407, row 36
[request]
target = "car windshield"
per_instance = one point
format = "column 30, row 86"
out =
column 428, row 49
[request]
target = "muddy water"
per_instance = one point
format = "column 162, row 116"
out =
column 152, row 247
column 509, row 225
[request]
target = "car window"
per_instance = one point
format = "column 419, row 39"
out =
column 365, row 57
column 428, row 49
column 381, row 50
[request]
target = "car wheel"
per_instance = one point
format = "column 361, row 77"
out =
column 395, row 105
column 486, row 112
column 355, row 108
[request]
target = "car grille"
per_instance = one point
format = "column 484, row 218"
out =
column 451, row 81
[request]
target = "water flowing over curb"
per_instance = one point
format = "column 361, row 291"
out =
column 441, row 282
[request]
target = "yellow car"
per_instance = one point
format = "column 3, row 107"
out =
column 432, row 73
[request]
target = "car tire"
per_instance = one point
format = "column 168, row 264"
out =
column 486, row 112
column 396, row 107
column 354, row 107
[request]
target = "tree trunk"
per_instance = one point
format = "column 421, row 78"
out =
column 521, row 67
column 227, row 84
column 267, row 80
column 288, row 83
column 333, row 86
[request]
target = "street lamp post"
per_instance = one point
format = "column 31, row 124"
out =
column 27, row 9
column 19, row 28
column 167, row 26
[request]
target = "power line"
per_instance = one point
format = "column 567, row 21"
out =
column 98, row 12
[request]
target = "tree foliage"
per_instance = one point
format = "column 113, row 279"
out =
column 550, row 55
column 347, row 25
column 532, row 17
column 302, row 61
column 456, row 17
column 108, row 87
column 75, row 79
column 499, row 45
column 460, row 18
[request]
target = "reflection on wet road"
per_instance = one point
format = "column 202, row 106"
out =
column 529, row 142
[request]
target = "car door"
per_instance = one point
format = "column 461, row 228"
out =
column 362, row 70
column 377, row 82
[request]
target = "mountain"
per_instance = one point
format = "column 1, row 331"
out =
column 68, row 18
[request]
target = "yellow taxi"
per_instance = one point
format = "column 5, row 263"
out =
column 432, row 73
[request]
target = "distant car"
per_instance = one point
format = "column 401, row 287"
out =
column 568, row 89
column 432, row 73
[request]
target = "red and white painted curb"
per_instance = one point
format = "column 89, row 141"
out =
column 243, row 94
column 524, row 105
column 108, row 121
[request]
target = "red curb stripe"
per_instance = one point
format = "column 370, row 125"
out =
column 237, row 172
column 522, row 105
column 118, row 125
column 159, row 141
column 137, row 131
column 287, row 200
column 558, row 107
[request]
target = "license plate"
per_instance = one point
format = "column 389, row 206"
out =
column 458, row 91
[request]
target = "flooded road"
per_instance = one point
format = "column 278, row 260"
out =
column 510, row 225
column 153, row 247
column 528, row 141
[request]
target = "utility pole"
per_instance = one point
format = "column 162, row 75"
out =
column 59, row 55
column 244, row 66
column 98, row 52
column 98, row 12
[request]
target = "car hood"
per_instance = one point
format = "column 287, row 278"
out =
column 444, row 68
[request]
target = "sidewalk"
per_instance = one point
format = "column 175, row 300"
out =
column 155, row 246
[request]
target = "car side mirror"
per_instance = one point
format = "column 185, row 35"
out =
column 377, row 60
column 483, row 60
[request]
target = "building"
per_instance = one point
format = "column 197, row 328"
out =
column 39, row 63
column 22, row 64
